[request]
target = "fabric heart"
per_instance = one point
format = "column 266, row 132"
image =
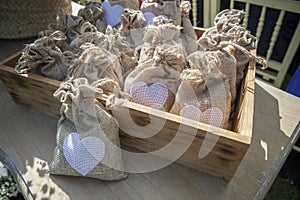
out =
column 154, row 96
column 83, row 155
column 149, row 17
column 112, row 14
column 212, row 116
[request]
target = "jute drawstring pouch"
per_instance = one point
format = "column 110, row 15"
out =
column 111, row 41
column 70, row 25
column 154, row 83
column 163, row 32
column 88, row 34
column 225, row 62
column 132, row 27
column 94, row 64
column 44, row 57
column 155, row 80
column 171, row 9
column 228, row 31
column 93, row 13
column 189, row 36
column 243, row 43
column 232, row 60
column 87, row 135
column 118, row 46
column 131, row 19
column 203, row 89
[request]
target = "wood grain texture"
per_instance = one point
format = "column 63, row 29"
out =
column 30, row 89
column 137, row 121
column 243, row 121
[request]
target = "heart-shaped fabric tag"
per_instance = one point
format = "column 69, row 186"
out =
column 112, row 14
column 149, row 17
column 83, row 155
column 212, row 116
column 154, row 96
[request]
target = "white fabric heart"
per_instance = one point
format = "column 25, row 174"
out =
column 154, row 96
column 212, row 116
column 83, row 155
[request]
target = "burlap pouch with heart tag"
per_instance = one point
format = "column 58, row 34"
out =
column 158, row 77
column 87, row 136
column 94, row 64
column 189, row 36
column 161, row 59
column 160, row 7
column 225, row 61
column 204, row 87
column 44, row 57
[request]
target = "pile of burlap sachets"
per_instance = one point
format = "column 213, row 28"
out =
column 150, row 56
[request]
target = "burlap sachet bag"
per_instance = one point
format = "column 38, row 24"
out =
column 88, row 34
column 132, row 27
column 204, row 92
column 131, row 19
column 189, row 36
column 70, row 25
column 44, row 57
column 161, row 59
column 154, row 83
column 243, row 43
column 96, row 63
column 225, row 61
column 87, row 135
column 163, row 32
column 111, row 41
column 171, row 9
column 93, row 13
column 118, row 46
column 228, row 31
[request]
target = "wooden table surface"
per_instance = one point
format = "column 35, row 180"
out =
column 27, row 141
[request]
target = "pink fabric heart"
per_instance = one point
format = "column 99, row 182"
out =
column 112, row 14
column 154, row 96
column 212, row 116
column 149, row 17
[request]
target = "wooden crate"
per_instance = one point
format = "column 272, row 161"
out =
column 29, row 89
column 37, row 92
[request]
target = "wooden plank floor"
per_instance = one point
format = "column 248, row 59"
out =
column 27, row 138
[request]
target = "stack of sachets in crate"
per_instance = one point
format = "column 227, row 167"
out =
column 150, row 56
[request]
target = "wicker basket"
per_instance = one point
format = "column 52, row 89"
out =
column 26, row 18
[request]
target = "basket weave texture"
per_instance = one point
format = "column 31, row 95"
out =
column 26, row 18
